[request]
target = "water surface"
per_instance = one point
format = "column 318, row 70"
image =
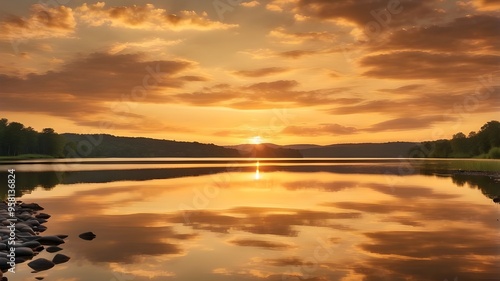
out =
column 266, row 219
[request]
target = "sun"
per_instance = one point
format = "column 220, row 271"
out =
column 256, row 140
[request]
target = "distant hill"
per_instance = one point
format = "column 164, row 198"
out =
column 360, row 150
column 265, row 150
column 113, row 146
column 302, row 146
column 351, row 150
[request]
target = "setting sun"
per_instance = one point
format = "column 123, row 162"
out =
column 256, row 140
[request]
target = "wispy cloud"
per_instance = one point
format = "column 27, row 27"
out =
column 146, row 17
column 42, row 22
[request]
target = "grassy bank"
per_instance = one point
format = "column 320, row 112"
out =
column 476, row 165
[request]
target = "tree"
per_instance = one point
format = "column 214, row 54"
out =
column 31, row 137
column 13, row 138
column 3, row 128
column 459, row 145
column 441, row 149
column 484, row 143
column 50, row 143
column 489, row 136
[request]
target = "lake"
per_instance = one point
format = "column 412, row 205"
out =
column 265, row 219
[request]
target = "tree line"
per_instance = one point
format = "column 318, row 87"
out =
column 484, row 143
column 17, row 139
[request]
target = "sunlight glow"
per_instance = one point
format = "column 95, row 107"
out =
column 256, row 140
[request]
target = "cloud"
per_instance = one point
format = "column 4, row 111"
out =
column 286, row 37
column 43, row 22
column 469, row 34
column 146, row 17
column 269, row 245
column 395, row 254
column 361, row 12
column 276, row 221
column 153, row 45
column 487, row 4
column 250, row 4
column 446, row 67
column 261, row 72
column 421, row 212
column 158, row 237
column 274, row 8
column 322, row 129
column 435, row 102
column 262, row 95
column 409, row 123
column 91, row 87
column 294, row 54
column 319, row 185
column 412, row 192
column 291, row 54
column 406, row 89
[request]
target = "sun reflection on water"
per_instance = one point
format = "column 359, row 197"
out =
column 257, row 172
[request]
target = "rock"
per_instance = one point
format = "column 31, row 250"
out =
column 53, row 249
column 41, row 264
column 24, row 216
column 23, row 252
column 4, row 264
column 22, row 259
column 50, row 240
column 42, row 216
column 28, row 237
column 60, row 258
column 26, row 229
column 40, row 228
column 30, row 244
column 496, row 199
column 32, row 206
column 32, row 222
column 39, row 278
column 87, row 236
column 62, row 236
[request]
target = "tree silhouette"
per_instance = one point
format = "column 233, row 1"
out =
column 16, row 139
column 484, row 143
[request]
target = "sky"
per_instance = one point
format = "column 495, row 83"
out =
column 234, row 71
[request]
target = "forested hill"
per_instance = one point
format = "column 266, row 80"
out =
column 485, row 143
column 113, row 146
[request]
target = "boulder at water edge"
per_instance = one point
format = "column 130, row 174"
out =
column 53, row 249
column 87, row 236
column 50, row 240
column 60, row 258
column 41, row 264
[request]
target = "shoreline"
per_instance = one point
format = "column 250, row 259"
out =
column 491, row 174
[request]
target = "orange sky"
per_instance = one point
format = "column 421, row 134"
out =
column 289, row 71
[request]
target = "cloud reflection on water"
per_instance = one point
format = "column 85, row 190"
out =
column 425, row 229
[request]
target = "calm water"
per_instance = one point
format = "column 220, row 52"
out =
column 213, row 219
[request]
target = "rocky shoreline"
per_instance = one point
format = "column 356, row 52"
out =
column 20, row 227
